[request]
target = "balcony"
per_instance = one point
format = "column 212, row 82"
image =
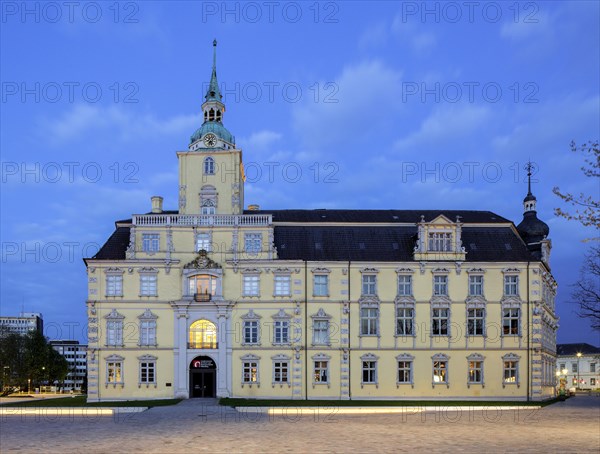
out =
column 219, row 220
column 202, row 297
column 203, row 345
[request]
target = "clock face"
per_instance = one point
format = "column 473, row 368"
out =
column 210, row 140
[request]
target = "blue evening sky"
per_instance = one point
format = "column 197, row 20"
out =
column 401, row 105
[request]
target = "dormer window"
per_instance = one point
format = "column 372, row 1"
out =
column 440, row 242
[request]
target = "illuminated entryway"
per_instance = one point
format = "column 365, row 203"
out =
column 203, row 377
column 203, row 334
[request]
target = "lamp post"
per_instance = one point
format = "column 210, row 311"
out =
column 578, row 356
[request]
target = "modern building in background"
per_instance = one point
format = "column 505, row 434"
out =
column 24, row 323
column 212, row 300
column 580, row 364
column 76, row 356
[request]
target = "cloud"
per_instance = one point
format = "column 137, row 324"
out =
column 83, row 120
column 261, row 141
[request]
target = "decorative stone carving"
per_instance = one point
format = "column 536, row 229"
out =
column 202, row 262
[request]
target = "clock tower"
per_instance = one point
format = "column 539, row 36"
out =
column 210, row 172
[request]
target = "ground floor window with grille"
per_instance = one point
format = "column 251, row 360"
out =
column 369, row 371
column 250, row 372
column 280, row 371
column 148, row 372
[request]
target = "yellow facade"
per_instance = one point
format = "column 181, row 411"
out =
column 211, row 300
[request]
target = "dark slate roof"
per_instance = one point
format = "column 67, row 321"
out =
column 115, row 246
column 389, row 244
column 375, row 216
column 573, row 349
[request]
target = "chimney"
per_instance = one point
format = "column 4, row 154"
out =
column 253, row 207
column 156, row 204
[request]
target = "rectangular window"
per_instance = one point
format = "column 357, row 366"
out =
column 574, row 367
column 404, row 371
column 321, row 332
column 593, row 367
column 475, row 371
column 251, row 332
column 280, row 371
column 251, row 285
column 148, row 284
column 404, row 285
column 203, row 242
column 321, row 374
column 439, row 322
column 114, row 333
column 440, row 369
column 321, row 285
column 281, row 332
column 114, row 285
column 253, row 243
column 150, row 242
column 511, row 285
column 510, row 321
column 250, row 372
column 147, row 372
column 369, row 317
column 369, row 371
column 475, row 322
column 147, row 332
column 440, row 285
column 476, row 285
column 404, row 321
column 369, row 284
column 563, row 366
column 440, row 242
column 592, row 381
column 283, row 285
column 114, row 372
column 510, row 371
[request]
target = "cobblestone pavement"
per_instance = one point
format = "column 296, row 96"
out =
column 200, row 425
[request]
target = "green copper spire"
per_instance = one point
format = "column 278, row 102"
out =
column 213, row 93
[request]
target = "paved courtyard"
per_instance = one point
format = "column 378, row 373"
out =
column 200, row 426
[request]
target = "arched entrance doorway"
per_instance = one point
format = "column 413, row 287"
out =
column 203, row 377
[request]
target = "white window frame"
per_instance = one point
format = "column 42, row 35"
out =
column 251, row 285
column 401, row 369
column 114, row 283
column 369, row 364
column 147, row 364
column 209, row 166
column 406, row 322
column 369, row 319
column 115, row 373
column 510, row 362
column 475, row 321
column 282, row 285
column 437, row 318
column 439, row 242
column 147, row 328
column 203, row 239
column 281, row 332
column 251, row 326
column 440, row 285
column 252, row 243
column 440, row 366
column 405, row 285
column 321, row 368
column 148, row 282
column 150, row 242
column 114, row 329
column 281, row 366
column 321, row 288
column 511, row 285
column 476, row 285
column 509, row 319
column 250, row 370
column 369, row 284
column 475, row 362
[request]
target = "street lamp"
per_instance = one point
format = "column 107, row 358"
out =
column 578, row 356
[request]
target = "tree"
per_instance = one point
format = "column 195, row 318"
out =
column 586, row 291
column 587, row 208
column 587, row 288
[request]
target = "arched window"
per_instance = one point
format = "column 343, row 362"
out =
column 211, row 114
column 202, row 284
column 209, row 166
column 205, row 115
column 208, row 199
column 218, row 115
column 203, row 334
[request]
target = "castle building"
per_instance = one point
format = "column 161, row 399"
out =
column 214, row 300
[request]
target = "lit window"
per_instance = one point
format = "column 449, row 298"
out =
column 282, row 285
column 150, row 242
column 202, row 284
column 321, row 372
column 475, row 322
column 511, row 285
column 369, row 318
column 251, row 285
column 404, row 321
column 510, row 321
column 439, row 321
column 475, row 372
column 321, row 285
column 511, row 370
column 476, row 285
column 440, row 285
column 114, row 370
column 369, row 284
column 404, row 285
column 440, row 371
column 253, row 243
column 250, row 372
column 203, row 334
